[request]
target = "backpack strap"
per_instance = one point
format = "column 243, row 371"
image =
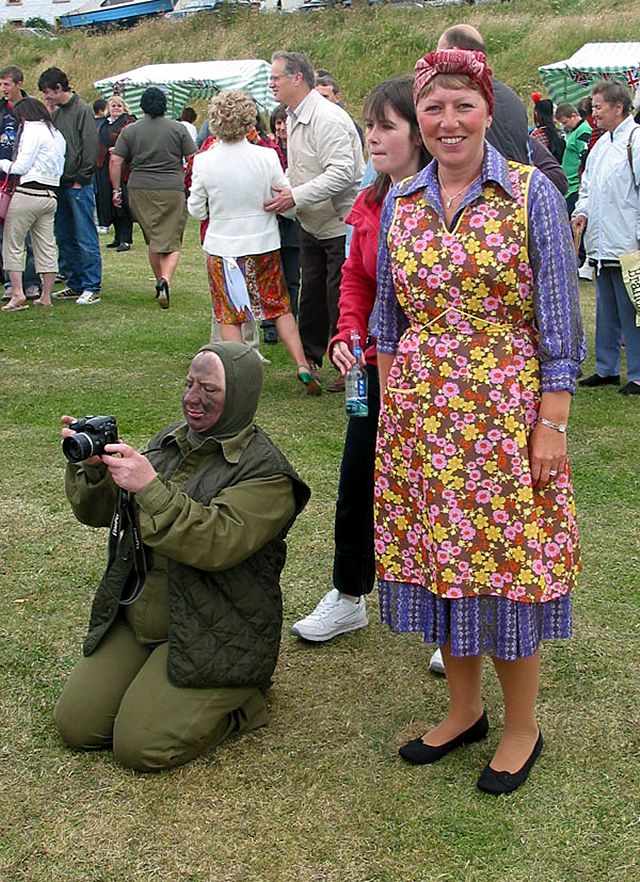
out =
column 630, row 157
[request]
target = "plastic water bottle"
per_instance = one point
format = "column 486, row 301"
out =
column 355, row 383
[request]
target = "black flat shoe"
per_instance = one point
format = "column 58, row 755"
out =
column 630, row 389
column 113, row 244
column 497, row 783
column 162, row 293
column 422, row 754
column 597, row 380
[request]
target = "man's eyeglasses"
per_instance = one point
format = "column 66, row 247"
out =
column 274, row 79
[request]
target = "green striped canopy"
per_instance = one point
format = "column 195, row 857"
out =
column 569, row 81
column 188, row 80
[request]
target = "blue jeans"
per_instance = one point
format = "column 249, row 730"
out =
column 615, row 322
column 77, row 238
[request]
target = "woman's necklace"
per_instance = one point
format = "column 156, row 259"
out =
column 449, row 200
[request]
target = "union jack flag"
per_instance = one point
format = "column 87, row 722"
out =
column 632, row 77
column 580, row 77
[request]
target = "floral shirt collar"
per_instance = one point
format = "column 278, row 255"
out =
column 494, row 168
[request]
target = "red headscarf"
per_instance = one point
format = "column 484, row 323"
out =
column 466, row 62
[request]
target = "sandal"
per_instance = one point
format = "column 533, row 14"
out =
column 15, row 307
column 308, row 379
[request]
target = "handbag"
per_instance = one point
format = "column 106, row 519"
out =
column 7, row 189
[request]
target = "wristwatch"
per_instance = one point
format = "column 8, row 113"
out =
column 559, row 427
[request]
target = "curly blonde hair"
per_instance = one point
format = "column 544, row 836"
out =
column 231, row 115
column 118, row 98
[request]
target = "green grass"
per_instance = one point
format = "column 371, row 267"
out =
column 320, row 793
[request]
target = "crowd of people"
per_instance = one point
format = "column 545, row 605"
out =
column 455, row 491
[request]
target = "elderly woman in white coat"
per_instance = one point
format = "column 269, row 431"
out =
column 39, row 164
column 231, row 183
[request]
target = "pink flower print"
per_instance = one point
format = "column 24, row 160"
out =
column 474, row 474
column 448, row 240
column 509, row 446
column 496, row 580
column 433, row 281
column 494, row 239
column 523, row 290
column 514, row 248
column 504, row 256
column 450, row 389
column 552, row 550
column 494, row 434
column 383, row 483
column 454, row 592
column 441, row 350
column 561, row 537
column 440, row 401
column 450, row 449
column 482, row 445
column 503, row 407
column 483, row 497
column 412, row 537
column 423, row 272
column 449, row 496
column 455, row 516
column 497, row 376
column 537, row 566
column 438, row 461
column 495, row 395
column 470, row 486
column 476, row 220
column 445, row 276
column 380, row 547
column 442, row 556
column 458, row 258
column 387, row 536
column 419, row 246
column 467, row 532
column 510, row 533
column 461, row 361
column 410, row 223
column 500, row 516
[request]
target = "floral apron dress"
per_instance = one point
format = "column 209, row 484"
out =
column 455, row 511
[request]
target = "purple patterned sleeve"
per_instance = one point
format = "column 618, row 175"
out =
column 388, row 320
column 562, row 345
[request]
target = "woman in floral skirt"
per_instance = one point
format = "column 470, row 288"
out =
column 479, row 345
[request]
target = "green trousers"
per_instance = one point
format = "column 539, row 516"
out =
column 120, row 697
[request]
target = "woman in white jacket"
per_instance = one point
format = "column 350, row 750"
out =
column 231, row 183
column 38, row 164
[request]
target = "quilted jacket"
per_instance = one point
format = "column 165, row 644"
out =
column 224, row 624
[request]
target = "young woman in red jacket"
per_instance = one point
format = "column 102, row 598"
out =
column 396, row 151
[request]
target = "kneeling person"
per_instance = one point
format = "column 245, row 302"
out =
column 187, row 664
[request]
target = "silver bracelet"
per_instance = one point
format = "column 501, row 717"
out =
column 559, row 427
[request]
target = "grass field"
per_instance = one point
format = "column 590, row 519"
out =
column 320, row 794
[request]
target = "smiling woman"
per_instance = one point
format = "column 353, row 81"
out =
column 475, row 527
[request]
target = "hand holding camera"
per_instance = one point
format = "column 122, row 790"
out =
column 93, row 440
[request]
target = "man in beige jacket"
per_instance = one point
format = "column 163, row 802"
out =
column 325, row 169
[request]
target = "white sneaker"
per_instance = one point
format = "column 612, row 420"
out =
column 436, row 665
column 102, row 230
column 586, row 272
column 87, row 298
column 332, row 616
column 32, row 292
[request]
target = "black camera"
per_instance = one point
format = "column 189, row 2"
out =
column 93, row 433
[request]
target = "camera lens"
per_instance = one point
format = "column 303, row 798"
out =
column 77, row 447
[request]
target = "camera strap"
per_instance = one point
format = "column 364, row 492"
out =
column 125, row 517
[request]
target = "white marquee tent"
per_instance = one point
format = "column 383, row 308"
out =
column 570, row 80
column 193, row 79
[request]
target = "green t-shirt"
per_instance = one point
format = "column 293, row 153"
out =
column 155, row 151
column 576, row 144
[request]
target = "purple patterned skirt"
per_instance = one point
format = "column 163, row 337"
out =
column 485, row 625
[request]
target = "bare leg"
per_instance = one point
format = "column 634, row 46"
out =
column 168, row 264
column 48, row 281
column 154, row 263
column 288, row 332
column 17, row 294
column 231, row 333
column 464, row 681
column 519, row 681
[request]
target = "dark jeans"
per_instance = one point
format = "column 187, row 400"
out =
column 353, row 562
column 77, row 238
column 571, row 204
column 321, row 262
